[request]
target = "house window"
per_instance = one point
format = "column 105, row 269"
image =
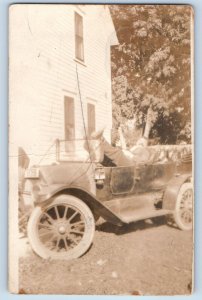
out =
column 79, row 45
column 91, row 117
column 69, row 123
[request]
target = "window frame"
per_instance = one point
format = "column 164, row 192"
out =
column 79, row 37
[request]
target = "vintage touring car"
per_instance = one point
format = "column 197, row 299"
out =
column 72, row 193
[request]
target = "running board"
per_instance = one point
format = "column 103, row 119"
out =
column 137, row 207
column 142, row 214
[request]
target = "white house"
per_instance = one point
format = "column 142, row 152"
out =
column 60, row 74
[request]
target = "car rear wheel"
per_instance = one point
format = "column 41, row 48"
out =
column 183, row 215
column 64, row 229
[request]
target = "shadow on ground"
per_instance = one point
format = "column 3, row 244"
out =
column 127, row 228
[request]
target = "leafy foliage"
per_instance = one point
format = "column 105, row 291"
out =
column 151, row 68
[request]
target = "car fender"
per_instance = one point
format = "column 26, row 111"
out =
column 90, row 199
column 172, row 190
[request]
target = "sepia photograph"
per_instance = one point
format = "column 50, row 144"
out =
column 101, row 149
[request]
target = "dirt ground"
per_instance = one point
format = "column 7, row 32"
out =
column 142, row 258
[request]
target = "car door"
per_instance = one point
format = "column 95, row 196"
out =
column 122, row 180
column 153, row 176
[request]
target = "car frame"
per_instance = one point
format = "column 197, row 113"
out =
column 70, row 194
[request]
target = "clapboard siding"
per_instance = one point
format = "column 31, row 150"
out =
column 47, row 69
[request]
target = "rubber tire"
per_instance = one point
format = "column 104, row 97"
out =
column 77, row 251
column 176, row 216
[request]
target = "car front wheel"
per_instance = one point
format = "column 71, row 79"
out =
column 183, row 215
column 64, row 229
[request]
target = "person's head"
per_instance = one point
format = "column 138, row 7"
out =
column 143, row 142
column 140, row 150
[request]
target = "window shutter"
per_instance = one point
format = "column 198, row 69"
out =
column 69, row 123
column 69, row 119
column 91, row 118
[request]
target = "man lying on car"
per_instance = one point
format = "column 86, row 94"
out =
column 137, row 154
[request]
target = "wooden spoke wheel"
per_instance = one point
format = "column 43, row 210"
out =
column 64, row 229
column 183, row 215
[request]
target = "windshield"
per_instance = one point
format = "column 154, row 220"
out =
column 80, row 150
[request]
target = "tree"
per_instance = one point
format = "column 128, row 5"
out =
column 151, row 69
